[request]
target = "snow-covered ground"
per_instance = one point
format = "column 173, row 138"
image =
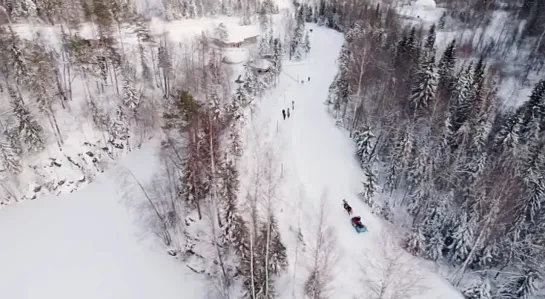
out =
column 314, row 157
column 86, row 245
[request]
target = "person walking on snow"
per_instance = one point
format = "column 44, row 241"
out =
column 284, row 113
column 292, row 105
column 288, row 112
column 308, row 79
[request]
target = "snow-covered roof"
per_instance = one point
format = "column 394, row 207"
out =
column 237, row 33
column 261, row 64
column 235, row 55
column 425, row 3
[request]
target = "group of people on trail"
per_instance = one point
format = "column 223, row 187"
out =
column 288, row 114
column 355, row 220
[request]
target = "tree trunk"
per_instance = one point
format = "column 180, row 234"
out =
column 60, row 90
column 252, row 277
column 267, row 259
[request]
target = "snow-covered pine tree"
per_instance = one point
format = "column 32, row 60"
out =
column 364, row 144
column 227, row 8
column 522, row 285
column 221, row 33
column 507, row 138
column 9, row 155
column 18, row 64
column 340, row 87
column 119, row 127
column 29, row 129
column 228, row 191
column 215, row 107
column 433, row 225
column 278, row 56
column 447, row 63
column 416, row 242
column 532, row 172
column 479, row 290
column 425, row 87
column 239, row 101
column 306, row 43
column 296, row 45
column 417, row 198
column 370, row 186
column 400, row 158
column 269, row 7
column 430, row 39
column 386, row 211
column 461, row 102
column 533, row 111
column 250, row 82
column 264, row 46
column 130, row 99
column 275, row 251
column 463, row 238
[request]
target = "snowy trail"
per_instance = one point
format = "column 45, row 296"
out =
column 317, row 160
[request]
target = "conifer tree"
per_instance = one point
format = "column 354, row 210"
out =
column 370, row 186
column 463, row 238
column 461, row 100
column 236, row 107
column 277, row 56
column 415, row 243
column 29, row 130
column 119, row 127
column 130, row 99
column 364, row 145
column 306, row 43
column 521, row 286
column 277, row 254
column 232, row 230
column 447, row 63
column 9, row 155
column 480, row 290
column 423, row 92
column 296, row 46
column 430, row 39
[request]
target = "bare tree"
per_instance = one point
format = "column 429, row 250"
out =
column 162, row 209
column 392, row 273
column 324, row 256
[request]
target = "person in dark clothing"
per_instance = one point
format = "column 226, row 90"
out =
column 347, row 207
column 284, row 113
column 308, row 79
column 357, row 221
column 292, row 105
column 288, row 112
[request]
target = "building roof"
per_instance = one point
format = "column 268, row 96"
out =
column 425, row 3
column 237, row 33
column 261, row 64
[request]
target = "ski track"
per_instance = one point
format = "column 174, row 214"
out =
column 316, row 159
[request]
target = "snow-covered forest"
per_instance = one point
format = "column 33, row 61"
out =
column 447, row 156
column 442, row 104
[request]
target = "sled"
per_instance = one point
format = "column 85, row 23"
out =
column 361, row 229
